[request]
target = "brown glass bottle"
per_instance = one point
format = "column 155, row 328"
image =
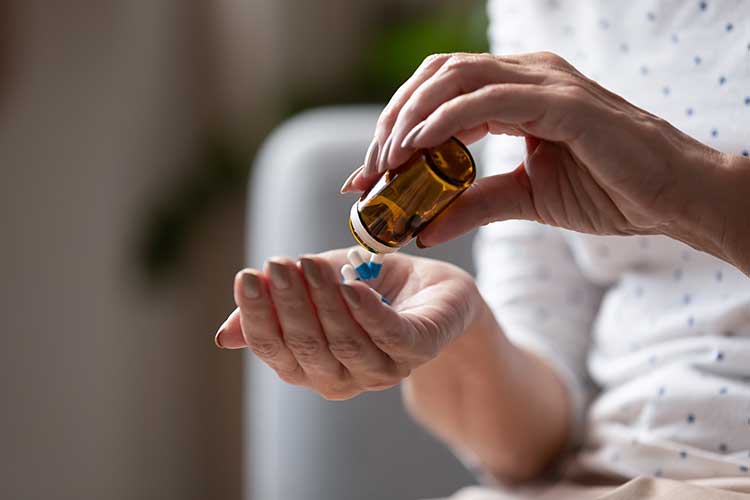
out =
column 406, row 199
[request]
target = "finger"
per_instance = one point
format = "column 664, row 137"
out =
column 499, row 197
column 347, row 186
column 229, row 334
column 299, row 324
column 388, row 330
column 542, row 111
column 473, row 135
column 260, row 326
column 346, row 339
column 388, row 116
column 368, row 175
column 460, row 75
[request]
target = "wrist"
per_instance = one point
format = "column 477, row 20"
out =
column 712, row 217
column 735, row 240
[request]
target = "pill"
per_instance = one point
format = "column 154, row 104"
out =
column 362, row 267
column 349, row 274
column 376, row 264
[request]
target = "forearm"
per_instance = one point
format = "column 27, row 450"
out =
column 716, row 214
column 484, row 396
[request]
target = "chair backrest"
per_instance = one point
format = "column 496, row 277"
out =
column 299, row 446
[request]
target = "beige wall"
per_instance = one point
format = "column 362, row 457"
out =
column 112, row 389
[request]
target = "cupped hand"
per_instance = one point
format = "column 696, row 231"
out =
column 339, row 339
column 595, row 163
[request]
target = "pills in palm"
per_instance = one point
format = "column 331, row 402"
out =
column 376, row 264
column 358, row 263
column 349, row 274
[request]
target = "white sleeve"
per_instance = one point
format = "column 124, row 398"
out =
column 529, row 278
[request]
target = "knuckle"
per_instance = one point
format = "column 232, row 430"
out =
column 574, row 92
column 443, row 113
column 258, row 316
column 293, row 377
column 553, row 59
column 434, row 60
column 388, row 116
column 484, row 205
column 304, row 347
column 458, row 63
column 327, row 309
column 494, row 93
column 265, row 348
column 389, row 339
column 295, row 306
column 345, row 348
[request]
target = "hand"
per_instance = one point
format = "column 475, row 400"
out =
column 340, row 339
column 595, row 164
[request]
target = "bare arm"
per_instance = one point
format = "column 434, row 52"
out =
column 485, row 396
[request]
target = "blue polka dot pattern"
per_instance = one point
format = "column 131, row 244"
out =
column 685, row 63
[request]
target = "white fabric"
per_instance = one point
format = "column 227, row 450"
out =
column 662, row 330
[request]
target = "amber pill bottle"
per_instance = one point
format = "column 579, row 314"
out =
column 403, row 201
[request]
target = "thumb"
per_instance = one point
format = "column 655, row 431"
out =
column 494, row 198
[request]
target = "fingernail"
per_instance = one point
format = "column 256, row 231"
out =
column 371, row 158
column 279, row 275
column 348, row 182
column 217, row 337
column 312, row 272
column 408, row 142
column 250, row 285
column 350, row 295
column 383, row 160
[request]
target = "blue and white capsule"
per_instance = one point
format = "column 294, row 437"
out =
column 376, row 264
column 359, row 264
column 349, row 274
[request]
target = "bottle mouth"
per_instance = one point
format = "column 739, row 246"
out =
column 363, row 238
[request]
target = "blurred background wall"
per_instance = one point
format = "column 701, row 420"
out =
column 126, row 132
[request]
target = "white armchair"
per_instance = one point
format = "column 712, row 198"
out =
column 298, row 445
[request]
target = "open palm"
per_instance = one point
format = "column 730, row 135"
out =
column 339, row 339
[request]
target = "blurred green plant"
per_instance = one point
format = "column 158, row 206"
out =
column 402, row 46
column 222, row 169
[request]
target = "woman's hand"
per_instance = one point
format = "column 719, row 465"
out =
column 340, row 339
column 595, row 164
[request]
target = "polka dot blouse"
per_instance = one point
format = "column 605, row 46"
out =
column 651, row 336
